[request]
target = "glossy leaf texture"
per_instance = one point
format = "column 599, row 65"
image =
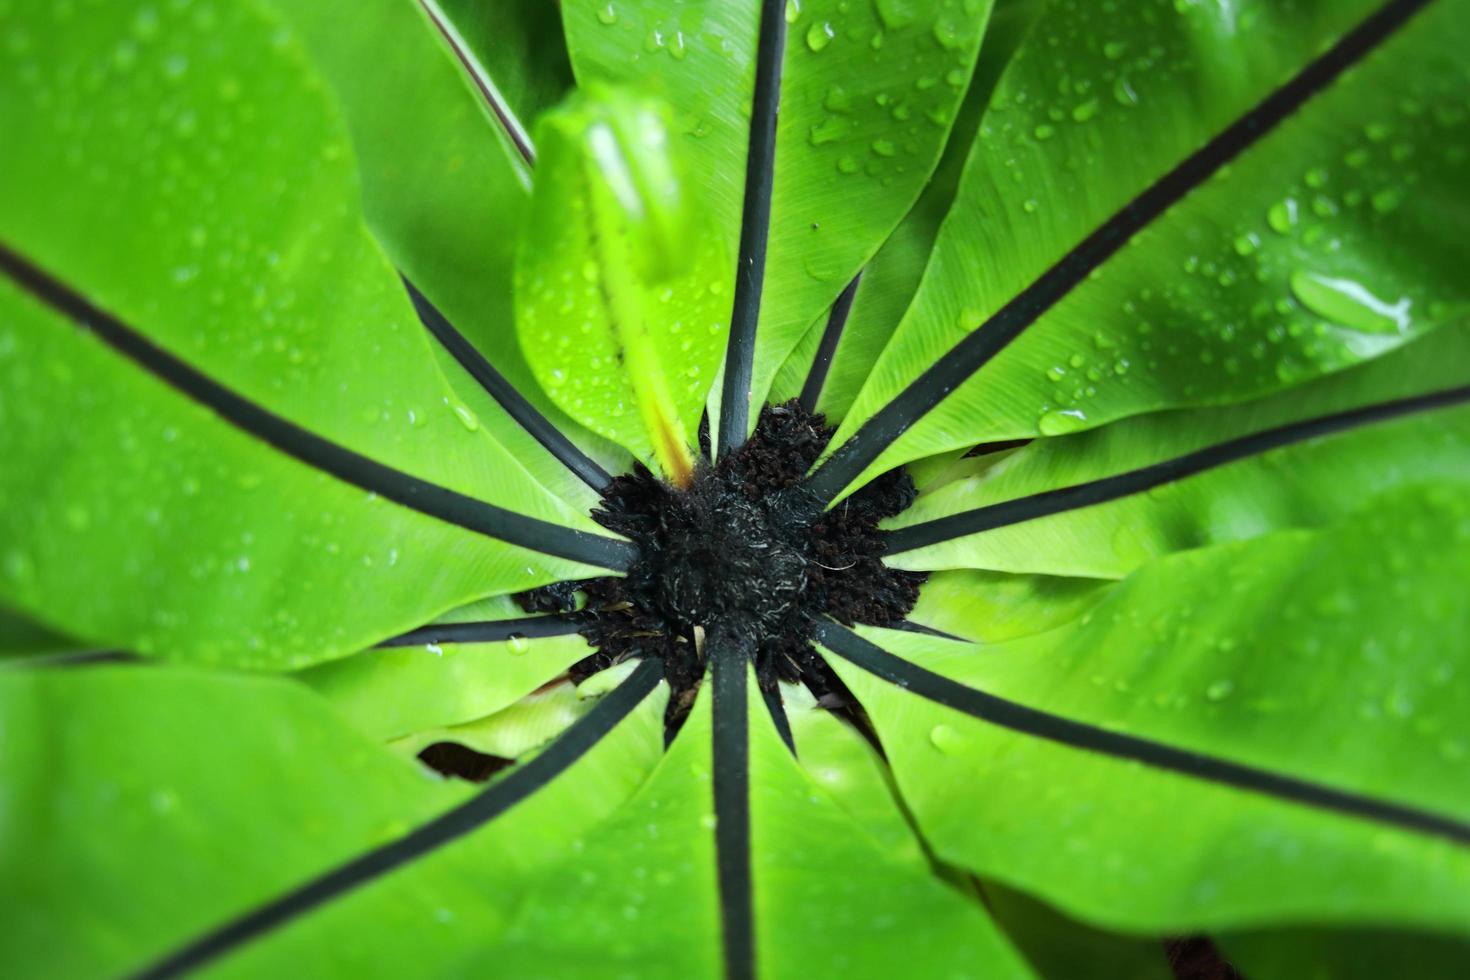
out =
column 1301, row 245
column 833, row 360
column 182, row 803
column 613, row 301
column 1329, row 666
column 653, row 868
column 1296, row 459
column 268, row 287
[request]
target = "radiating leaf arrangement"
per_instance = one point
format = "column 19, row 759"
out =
column 329, row 334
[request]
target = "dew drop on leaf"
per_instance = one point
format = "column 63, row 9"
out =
column 947, row 739
column 1059, row 423
column 1349, row 304
column 819, row 35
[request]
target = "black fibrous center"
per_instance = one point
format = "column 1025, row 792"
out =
column 742, row 549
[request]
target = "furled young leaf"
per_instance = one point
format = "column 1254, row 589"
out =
column 614, row 274
column 866, row 95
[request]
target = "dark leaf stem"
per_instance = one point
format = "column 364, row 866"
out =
column 816, row 378
column 497, row 631
column 1090, row 738
column 909, row 626
column 941, row 379
column 1023, row 509
column 728, row 659
column 538, row 426
column 755, row 227
column 520, row 783
column 309, row 448
column 494, row 100
column 777, row 708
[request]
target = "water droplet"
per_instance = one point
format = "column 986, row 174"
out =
column 837, row 100
column 606, row 15
column 1123, row 93
column 947, row 739
column 895, row 13
column 949, row 35
column 1085, row 111
column 1220, row 690
column 1044, row 132
column 466, row 417
column 830, row 130
column 1113, row 50
column 819, row 35
column 517, row 644
column 793, row 11
column 1387, row 201
column 1349, row 304
column 1060, row 423
column 1282, row 216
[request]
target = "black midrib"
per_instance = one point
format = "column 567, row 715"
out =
column 516, row 405
column 1061, row 500
column 505, row 117
column 307, row 447
column 731, row 759
column 946, row 375
column 755, row 227
column 487, row 631
column 1091, row 738
column 520, row 783
column 816, row 378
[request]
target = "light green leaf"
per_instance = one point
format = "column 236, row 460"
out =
column 516, row 730
column 1332, row 663
column 992, row 607
column 867, row 100
column 199, row 540
column 444, row 187
column 613, row 305
column 392, row 692
column 457, row 902
column 121, row 836
column 1226, row 296
column 892, row 275
column 639, row 897
column 1304, row 484
column 800, row 834
column 125, row 837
